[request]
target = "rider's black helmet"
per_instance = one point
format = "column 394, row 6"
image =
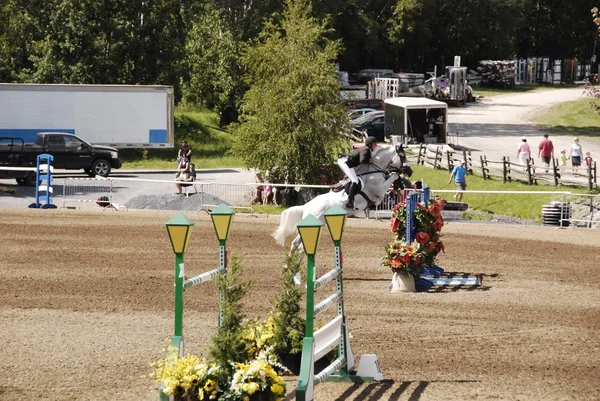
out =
column 370, row 140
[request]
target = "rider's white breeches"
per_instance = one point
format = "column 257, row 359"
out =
column 349, row 171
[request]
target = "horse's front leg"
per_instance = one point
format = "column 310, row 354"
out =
column 386, row 184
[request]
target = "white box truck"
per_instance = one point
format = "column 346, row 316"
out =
column 120, row 116
column 416, row 119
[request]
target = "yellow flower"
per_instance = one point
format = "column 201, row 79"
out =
column 168, row 390
column 245, row 398
column 252, row 388
column 276, row 389
column 209, row 386
column 200, row 394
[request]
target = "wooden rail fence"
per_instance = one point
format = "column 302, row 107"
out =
column 435, row 157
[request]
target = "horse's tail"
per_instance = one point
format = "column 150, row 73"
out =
column 287, row 224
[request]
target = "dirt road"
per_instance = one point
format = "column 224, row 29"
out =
column 494, row 126
column 86, row 300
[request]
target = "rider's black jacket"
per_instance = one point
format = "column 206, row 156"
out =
column 359, row 156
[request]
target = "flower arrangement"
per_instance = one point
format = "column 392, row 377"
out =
column 189, row 378
column 255, row 381
column 258, row 336
column 411, row 257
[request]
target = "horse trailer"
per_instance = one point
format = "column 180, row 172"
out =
column 416, row 120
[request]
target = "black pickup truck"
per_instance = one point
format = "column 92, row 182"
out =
column 69, row 151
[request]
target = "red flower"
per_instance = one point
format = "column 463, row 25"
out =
column 395, row 223
column 439, row 223
column 422, row 237
column 434, row 209
column 405, row 259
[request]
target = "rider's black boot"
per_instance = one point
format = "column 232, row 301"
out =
column 352, row 191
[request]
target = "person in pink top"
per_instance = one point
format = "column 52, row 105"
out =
column 546, row 151
column 524, row 152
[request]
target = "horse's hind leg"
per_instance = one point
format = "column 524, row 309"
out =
column 297, row 244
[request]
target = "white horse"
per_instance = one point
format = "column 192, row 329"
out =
column 387, row 163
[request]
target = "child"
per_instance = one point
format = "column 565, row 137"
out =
column 563, row 157
column 588, row 159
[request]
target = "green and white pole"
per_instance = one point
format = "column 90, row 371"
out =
column 223, row 269
column 221, row 217
column 335, row 217
column 177, row 339
column 309, row 229
column 180, row 230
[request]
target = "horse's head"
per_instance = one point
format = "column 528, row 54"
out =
column 391, row 158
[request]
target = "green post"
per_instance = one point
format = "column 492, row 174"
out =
column 178, row 296
column 177, row 338
column 337, row 249
column 223, row 268
column 309, row 229
column 310, row 295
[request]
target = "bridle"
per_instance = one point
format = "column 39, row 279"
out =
column 373, row 168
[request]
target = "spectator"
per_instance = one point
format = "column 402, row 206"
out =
column 184, row 152
column 546, row 151
column 268, row 195
column 588, row 159
column 258, row 190
column 524, row 152
column 563, row 157
column 189, row 176
column 183, row 170
column 459, row 175
column 575, row 154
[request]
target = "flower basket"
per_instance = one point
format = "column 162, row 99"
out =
column 402, row 282
column 408, row 259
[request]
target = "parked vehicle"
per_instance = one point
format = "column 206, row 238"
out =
column 354, row 114
column 353, row 104
column 121, row 116
column 69, row 151
column 416, row 120
column 371, row 124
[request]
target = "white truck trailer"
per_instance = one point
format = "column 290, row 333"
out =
column 120, row 116
column 416, row 119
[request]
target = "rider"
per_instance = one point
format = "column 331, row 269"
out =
column 348, row 161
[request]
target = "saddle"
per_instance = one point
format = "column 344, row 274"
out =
column 344, row 185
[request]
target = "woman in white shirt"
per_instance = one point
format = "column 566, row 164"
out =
column 524, row 152
column 575, row 154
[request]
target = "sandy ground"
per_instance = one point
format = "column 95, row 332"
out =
column 86, row 302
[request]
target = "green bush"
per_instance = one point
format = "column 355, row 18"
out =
column 228, row 344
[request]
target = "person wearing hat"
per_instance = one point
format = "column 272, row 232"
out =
column 347, row 162
column 524, row 152
column 459, row 175
column 575, row 154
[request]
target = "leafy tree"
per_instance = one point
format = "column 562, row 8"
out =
column 553, row 28
column 214, row 53
column 293, row 121
column 591, row 89
column 432, row 32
